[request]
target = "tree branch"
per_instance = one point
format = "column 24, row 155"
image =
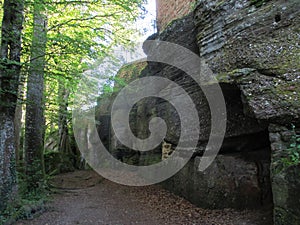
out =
column 83, row 19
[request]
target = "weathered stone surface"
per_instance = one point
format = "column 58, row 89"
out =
column 285, row 177
column 258, row 49
column 229, row 182
column 272, row 98
column 183, row 32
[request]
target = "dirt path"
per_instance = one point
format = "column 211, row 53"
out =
column 86, row 198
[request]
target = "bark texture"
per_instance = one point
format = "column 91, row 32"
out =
column 10, row 71
column 34, row 128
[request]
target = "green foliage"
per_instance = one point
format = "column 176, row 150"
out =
column 125, row 75
column 193, row 5
column 80, row 33
column 58, row 162
column 107, row 89
column 25, row 204
column 131, row 71
column 29, row 201
column 293, row 151
column 23, row 208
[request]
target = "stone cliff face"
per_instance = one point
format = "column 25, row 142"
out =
column 257, row 49
column 253, row 49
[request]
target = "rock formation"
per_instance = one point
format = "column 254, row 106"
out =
column 253, row 49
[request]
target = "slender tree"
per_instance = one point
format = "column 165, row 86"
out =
column 10, row 71
column 63, row 96
column 34, row 121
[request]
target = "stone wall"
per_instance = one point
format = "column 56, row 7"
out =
column 168, row 10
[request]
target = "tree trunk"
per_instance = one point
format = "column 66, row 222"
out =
column 34, row 120
column 63, row 97
column 18, row 118
column 9, row 77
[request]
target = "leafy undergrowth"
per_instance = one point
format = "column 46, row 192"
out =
column 26, row 204
column 24, row 208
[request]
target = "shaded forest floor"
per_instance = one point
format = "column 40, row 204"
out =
column 83, row 197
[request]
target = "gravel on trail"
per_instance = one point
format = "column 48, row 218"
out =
column 83, row 197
